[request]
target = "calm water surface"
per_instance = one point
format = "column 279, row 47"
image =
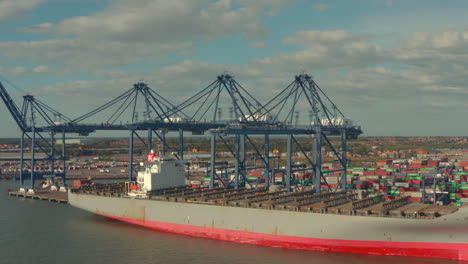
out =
column 34, row 231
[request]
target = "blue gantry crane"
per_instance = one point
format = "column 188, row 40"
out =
column 39, row 124
column 247, row 119
column 206, row 105
column 277, row 118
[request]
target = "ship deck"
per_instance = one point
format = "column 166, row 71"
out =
column 301, row 201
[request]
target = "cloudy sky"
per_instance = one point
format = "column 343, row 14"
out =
column 394, row 67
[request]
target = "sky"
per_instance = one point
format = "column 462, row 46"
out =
column 396, row 68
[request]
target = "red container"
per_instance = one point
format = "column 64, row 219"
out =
column 80, row 183
column 415, row 199
column 256, row 173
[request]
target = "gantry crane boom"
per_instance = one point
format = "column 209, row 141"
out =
column 12, row 108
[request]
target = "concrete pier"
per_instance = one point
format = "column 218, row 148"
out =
column 47, row 195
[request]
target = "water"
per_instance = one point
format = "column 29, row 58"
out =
column 34, row 231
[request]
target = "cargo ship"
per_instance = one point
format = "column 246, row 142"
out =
column 334, row 222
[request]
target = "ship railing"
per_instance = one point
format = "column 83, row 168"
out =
column 390, row 205
column 241, row 192
column 255, row 200
column 287, row 198
column 315, row 198
column 339, row 200
column 266, row 196
column 215, row 194
column 101, row 187
column 439, row 210
column 178, row 192
column 202, row 193
column 173, row 191
column 369, row 201
column 414, row 210
column 239, row 195
column 169, row 191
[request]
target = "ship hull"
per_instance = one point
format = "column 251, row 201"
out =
column 437, row 238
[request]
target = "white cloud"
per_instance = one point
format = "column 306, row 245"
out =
column 11, row 9
column 166, row 21
column 41, row 69
column 327, row 50
column 78, row 54
column 128, row 32
column 258, row 44
column 311, row 37
column 23, row 71
column 322, row 7
column 268, row 7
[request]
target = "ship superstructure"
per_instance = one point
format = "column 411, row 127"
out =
column 159, row 173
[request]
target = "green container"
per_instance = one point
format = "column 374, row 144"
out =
column 371, row 169
column 393, row 192
column 206, row 179
column 252, row 178
column 453, row 196
column 456, row 204
column 463, row 187
column 461, row 173
column 349, row 185
column 303, row 181
column 428, row 169
column 412, row 174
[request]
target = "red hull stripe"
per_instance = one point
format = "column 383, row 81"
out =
column 455, row 251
